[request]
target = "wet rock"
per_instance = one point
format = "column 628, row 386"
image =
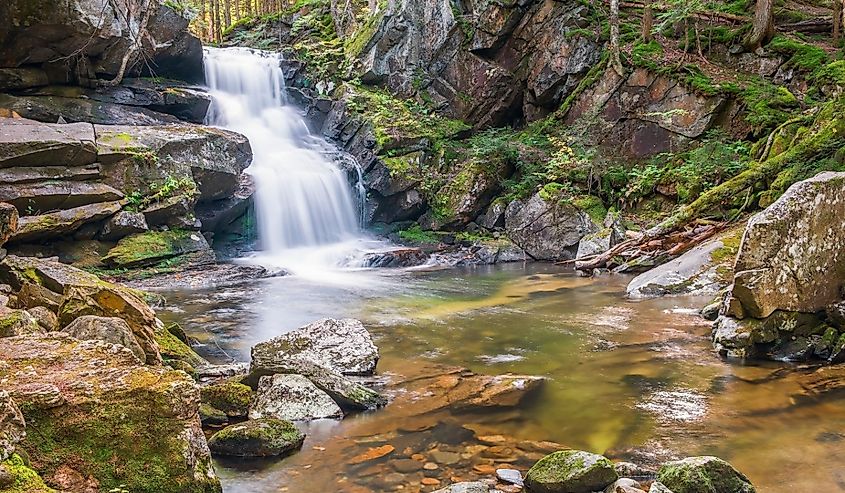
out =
column 631, row 470
column 711, row 311
column 790, row 257
column 124, row 223
column 108, row 329
column 701, row 271
column 511, row 476
column 12, row 426
column 219, row 215
column 703, row 474
column 547, row 231
column 342, row 345
column 465, row 487
column 229, row 397
column 210, row 416
column 292, row 397
column 152, row 247
column 783, row 335
column 140, row 415
column 46, row 318
column 349, row 395
column 257, row 438
column 62, row 223
column 399, row 258
column 570, row 471
column 22, row 78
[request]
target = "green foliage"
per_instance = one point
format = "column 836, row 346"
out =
column 803, row 56
column 415, row 234
column 767, row 105
column 158, row 192
column 831, row 74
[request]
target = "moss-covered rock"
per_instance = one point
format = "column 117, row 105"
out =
column 172, row 349
column 703, row 475
column 570, row 471
column 152, row 247
column 230, row 397
column 257, row 438
column 22, row 479
column 210, row 416
column 17, row 322
column 96, row 413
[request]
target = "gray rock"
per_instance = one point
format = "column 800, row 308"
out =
column 30, row 174
column 547, row 231
column 124, row 223
column 30, row 143
column 631, row 470
column 62, row 223
column 22, row 78
column 395, row 258
column 624, row 485
column 46, row 318
column 109, row 329
column 292, row 397
column 494, row 218
column 696, row 474
column 696, row 272
column 511, row 476
column 12, row 426
column 711, row 311
column 465, row 487
column 257, row 438
column 570, row 471
column 658, row 487
column 342, row 345
column 836, row 315
column 17, row 322
column 791, row 256
column 49, row 109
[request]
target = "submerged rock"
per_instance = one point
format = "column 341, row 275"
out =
column 570, row 471
column 108, row 329
column 465, row 487
column 86, row 400
column 703, row 475
column 342, row 345
column 292, row 397
column 257, row 438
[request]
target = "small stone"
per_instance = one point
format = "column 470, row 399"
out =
column 406, row 465
column 511, row 476
column 623, row 485
column 419, row 457
column 446, row 458
column 430, row 481
column 430, row 466
column 372, row 454
column 484, row 469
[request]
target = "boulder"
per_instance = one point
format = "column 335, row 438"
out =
column 22, row 78
column 547, row 230
column 494, row 218
column 229, row 397
column 292, row 397
column 836, row 315
column 108, row 329
column 50, row 109
column 8, row 221
column 173, row 212
column 45, row 317
column 84, row 401
column 570, row 471
column 124, row 223
column 703, row 475
column 658, row 487
column 17, row 322
column 791, row 256
column 348, row 394
column 257, row 438
column 782, row 336
column 152, row 247
column 61, row 223
column 703, row 270
column 624, row 485
column 30, row 143
column 219, row 215
column 342, row 345
column 395, row 258
column 12, row 425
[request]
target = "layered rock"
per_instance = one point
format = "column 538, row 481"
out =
column 90, row 405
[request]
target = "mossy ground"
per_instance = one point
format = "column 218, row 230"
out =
column 25, row 479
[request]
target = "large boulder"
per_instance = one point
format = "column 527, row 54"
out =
column 80, row 293
column 257, row 438
column 791, row 257
column 292, row 397
column 78, row 41
column 63, row 222
column 12, row 425
column 547, row 230
column 342, row 345
column 109, row 329
column 703, row 475
column 152, row 247
column 570, row 471
column 94, row 414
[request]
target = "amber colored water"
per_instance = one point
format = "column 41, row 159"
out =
column 633, row 380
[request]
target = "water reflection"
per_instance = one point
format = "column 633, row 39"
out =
column 632, row 380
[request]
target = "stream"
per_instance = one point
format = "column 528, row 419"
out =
column 636, row 381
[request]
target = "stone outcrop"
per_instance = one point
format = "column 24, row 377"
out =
column 547, row 230
column 90, row 405
column 12, row 425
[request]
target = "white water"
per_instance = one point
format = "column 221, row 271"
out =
column 307, row 217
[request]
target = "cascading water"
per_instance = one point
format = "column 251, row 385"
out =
column 305, row 209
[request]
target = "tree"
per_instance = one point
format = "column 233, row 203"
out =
column 648, row 21
column 837, row 20
column 615, row 56
column 763, row 27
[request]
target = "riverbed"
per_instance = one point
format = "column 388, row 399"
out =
column 634, row 380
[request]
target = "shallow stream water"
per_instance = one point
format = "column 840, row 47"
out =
column 632, row 380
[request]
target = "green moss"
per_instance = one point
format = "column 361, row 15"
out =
column 148, row 248
column 696, row 475
column 415, row 234
column 173, row 349
column 831, row 74
column 592, row 205
column 803, row 56
column 260, row 437
column 25, row 479
column 568, row 470
column 230, row 397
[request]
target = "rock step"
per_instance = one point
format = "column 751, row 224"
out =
column 64, row 222
column 44, row 196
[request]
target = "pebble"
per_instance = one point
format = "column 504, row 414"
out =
column 430, row 481
column 430, row 466
column 511, row 476
column 447, row 458
column 484, row 468
column 407, row 465
column 419, row 457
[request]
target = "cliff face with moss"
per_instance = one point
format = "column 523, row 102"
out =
column 459, row 111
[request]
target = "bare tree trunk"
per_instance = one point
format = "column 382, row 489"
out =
column 648, row 21
column 763, row 28
column 227, row 14
column 236, row 15
column 615, row 56
column 202, row 21
column 218, row 29
column 837, row 20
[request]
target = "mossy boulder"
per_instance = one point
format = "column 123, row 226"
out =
column 257, row 438
column 93, row 412
column 703, row 475
column 152, row 247
column 173, row 349
column 230, row 397
column 570, row 471
column 20, row 478
column 8, row 221
column 109, row 329
column 56, row 224
column 17, row 322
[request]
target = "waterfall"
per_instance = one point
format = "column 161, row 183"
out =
column 304, row 202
